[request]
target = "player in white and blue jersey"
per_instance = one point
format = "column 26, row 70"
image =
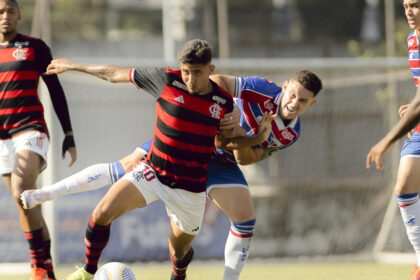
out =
column 407, row 185
column 226, row 186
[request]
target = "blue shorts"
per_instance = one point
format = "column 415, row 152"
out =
column 412, row 146
column 224, row 175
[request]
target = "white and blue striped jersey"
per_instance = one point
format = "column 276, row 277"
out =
column 255, row 96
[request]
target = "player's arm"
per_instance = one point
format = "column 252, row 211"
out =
column 251, row 155
column 226, row 82
column 243, row 140
column 58, row 100
column 107, row 72
column 409, row 120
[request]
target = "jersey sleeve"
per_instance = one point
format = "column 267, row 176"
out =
column 145, row 147
column 43, row 56
column 253, row 89
column 151, row 80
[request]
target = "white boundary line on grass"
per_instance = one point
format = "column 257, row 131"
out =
column 14, row 268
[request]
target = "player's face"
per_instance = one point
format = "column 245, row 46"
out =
column 295, row 100
column 9, row 17
column 412, row 12
column 197, row 77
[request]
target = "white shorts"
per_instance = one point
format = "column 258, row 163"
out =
column 34, row 141
column 186, row 209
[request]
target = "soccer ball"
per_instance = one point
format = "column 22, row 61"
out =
column 114, row 271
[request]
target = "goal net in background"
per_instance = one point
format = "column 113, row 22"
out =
column 314, row 198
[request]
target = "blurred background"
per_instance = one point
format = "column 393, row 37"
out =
column 315, row 198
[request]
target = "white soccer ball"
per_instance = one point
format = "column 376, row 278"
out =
column 114, row 271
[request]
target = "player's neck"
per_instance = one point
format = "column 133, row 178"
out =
column 6, row 38
column 208, row 90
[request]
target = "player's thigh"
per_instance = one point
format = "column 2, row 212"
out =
column 236, row 202
column 122, row 197
column 130, row 161
column 26, row 170
column 408, row 178
column 179, row 241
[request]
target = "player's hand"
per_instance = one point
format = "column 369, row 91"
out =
column 402, row 110
column 69, row 146
column 264, row 129
column 230, row 120
column 58, row 66
column 376, row 153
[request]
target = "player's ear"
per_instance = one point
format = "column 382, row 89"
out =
column 312, row 103
column 284, row 86
column 212, row 68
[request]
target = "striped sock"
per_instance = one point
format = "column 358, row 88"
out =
column 96, row 238
column 36, row 247
column 179, row 267
column 48, row 260
column 410, row 212
column 237, row 248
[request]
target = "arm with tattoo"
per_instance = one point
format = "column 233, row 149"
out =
column 110, row 73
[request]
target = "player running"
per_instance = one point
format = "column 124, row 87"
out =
column 408, row 177
column 226, row 184
column 24, row 138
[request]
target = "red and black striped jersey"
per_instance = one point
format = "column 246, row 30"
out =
column 185, row 129
column 22, row 61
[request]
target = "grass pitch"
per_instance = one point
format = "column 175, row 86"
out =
column 264, row 271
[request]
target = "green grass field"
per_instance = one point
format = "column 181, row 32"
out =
column 266, row 271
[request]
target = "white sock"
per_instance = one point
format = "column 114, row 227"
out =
column 237, row 248
column 91, row 178
column 410, row 212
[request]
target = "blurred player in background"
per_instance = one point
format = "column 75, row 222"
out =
column 23, row 130
column 408, row 178
column 226, row 185
column 188, row 112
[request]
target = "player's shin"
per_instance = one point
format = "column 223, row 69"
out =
column 96, row 238
column 410, row 212
column 237, row 248
column 90, row 178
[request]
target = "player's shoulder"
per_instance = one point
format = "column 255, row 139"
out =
column 411, row 35
column 169, row 70
column 26, row 40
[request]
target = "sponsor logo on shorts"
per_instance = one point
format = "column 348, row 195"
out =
column 196, row 229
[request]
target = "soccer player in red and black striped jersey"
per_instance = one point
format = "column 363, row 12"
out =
column 23, row 130
column 189, row 107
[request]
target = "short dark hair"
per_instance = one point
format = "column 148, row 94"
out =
column 308, row 80
column 196, row 51
column 12, row 2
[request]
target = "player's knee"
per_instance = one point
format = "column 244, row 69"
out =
column 102, row 215
column 243, row 215
column 405, row 187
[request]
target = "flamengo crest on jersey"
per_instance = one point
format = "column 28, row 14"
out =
column 414, row 59
column 255, row 96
